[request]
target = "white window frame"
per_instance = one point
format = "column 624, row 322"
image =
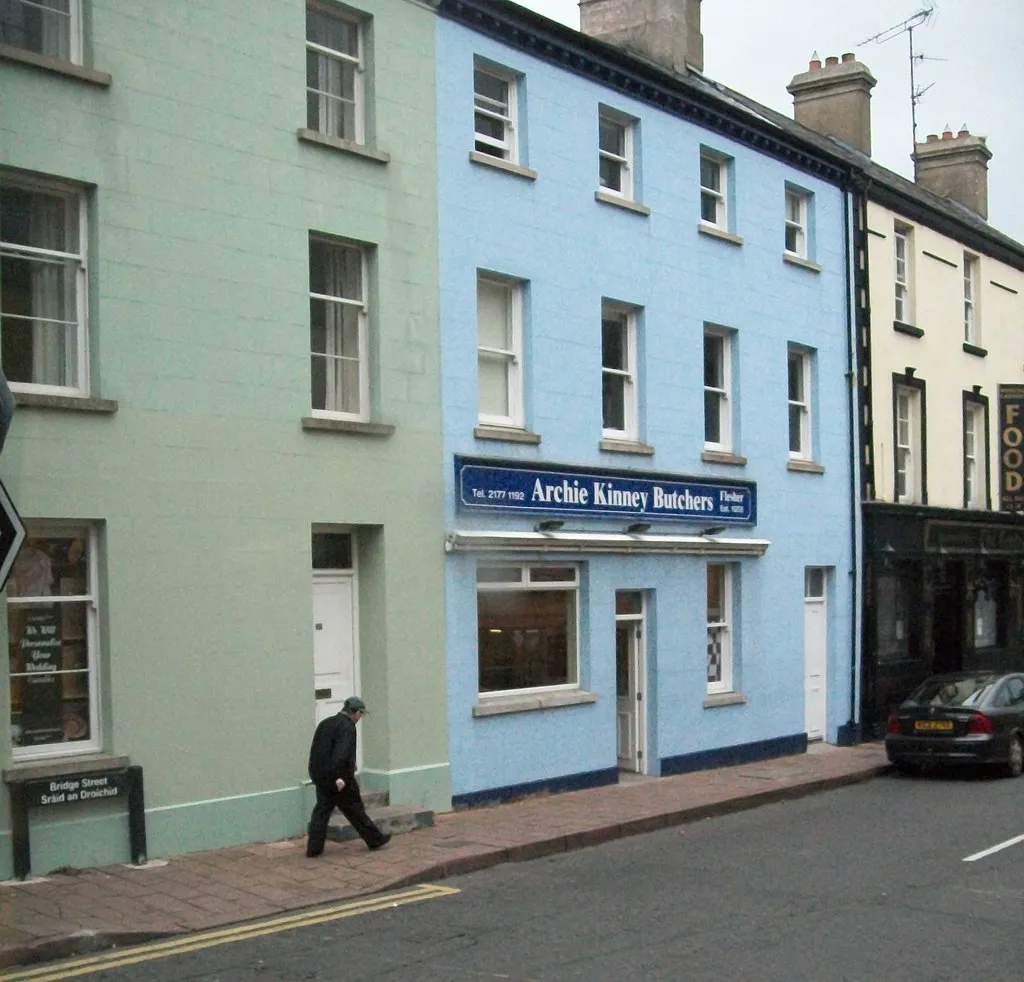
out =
column 76, row 363
column 975, row 455
column 903, row 240
column 525, row 584
column 506, row 113
column 908, row 445
column 796, row 222
column 74, row 29
column 333, row 388
column 512, row 356
column 624, row 161
column 327, row 101
column 719, row 195
column 720, row 632
column 91, row 599
column 626, row 318
column 800, row 401
column 722, row 393
column 972, row 326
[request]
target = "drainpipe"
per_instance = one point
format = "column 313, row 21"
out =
column 850, row 733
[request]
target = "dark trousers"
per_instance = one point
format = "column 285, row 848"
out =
column 350, row 803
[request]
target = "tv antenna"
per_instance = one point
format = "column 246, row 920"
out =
column 917, row 19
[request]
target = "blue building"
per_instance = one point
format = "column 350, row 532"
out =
column 646, row 364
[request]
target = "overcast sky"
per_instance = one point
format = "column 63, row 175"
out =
column 757, row 46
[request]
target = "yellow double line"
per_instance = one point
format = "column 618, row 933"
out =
column 208, row 939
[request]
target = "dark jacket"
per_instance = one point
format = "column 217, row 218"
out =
column 333, row 751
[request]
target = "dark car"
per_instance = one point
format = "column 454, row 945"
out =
column 961, row 718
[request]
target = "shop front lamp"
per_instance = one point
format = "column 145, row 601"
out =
column 548, row 525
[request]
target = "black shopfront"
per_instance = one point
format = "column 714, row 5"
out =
column 943, row 591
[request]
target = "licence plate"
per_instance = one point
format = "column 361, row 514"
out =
column 933, row 725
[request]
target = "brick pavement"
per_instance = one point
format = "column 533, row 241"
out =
column 86, row 910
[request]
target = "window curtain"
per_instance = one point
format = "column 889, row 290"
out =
column 53, row 294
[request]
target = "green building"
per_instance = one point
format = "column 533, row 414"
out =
column 219, row 319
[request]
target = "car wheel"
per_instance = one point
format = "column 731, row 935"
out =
column 1015, row 759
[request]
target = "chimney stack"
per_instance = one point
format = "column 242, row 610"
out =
column 955, row 167
column 663, row 31
column 835, row 100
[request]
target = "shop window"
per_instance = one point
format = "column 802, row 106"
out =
column 52, row 642
column 527, row 627
column 891, row 628
column 986, row 617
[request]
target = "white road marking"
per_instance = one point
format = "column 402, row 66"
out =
column 992, row 849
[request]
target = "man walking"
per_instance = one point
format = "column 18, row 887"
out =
column 332, row 768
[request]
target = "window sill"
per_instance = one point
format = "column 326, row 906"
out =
column 476, row 157
column 508, row 435
column 794, row 260
column 345, row 146
column 324, row 424
column 528, row 703
column 80, row 404
column 804, row 466
column 901, row 328
column 719, row 233
column 717, row 699
column 625, row 446
column 723, row 457
column 8, row 52
column 607, row 198
column 40, row 769
column 973, row 349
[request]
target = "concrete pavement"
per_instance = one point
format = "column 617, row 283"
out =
column 79, row 911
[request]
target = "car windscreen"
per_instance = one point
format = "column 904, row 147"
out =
column 955, row 692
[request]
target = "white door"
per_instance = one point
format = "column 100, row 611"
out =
column 629, row 680
column 335, row 641
column 815, row 648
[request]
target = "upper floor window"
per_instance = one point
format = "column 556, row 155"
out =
column 43, row 275
column 717, row 383
column 45, row 27
column 338, row 315
column 719, row 628
column 615, row 152
column 618, row 371
column 975, row 452
column 499, row 322
column 972, row 334
column 909, row 444
column 796, row 222
column 903, row 238
column 495, row 111
column 714, row 190
column 52, row 634
column 799, row 403
column 334, row 73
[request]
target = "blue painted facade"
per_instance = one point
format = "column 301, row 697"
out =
column 570, row 250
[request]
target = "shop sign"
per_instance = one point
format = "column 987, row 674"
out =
column 1011, row 447
column 486, row 485
column 71, row 788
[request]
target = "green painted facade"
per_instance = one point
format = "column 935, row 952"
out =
column 203, row 483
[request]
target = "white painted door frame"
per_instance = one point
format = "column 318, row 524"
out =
column 631, row 708
column 815, row 651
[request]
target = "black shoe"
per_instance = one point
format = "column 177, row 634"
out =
column 312, row 855
column 384, row 840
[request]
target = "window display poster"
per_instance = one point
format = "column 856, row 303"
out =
column 40, row 645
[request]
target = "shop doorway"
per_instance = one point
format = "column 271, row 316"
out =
column 630, row 680
column 948, row 635
column 815, row 651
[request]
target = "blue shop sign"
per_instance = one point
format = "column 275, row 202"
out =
column 598, row 493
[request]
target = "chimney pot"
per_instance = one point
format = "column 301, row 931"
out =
column 663, row 31
column 814, row 65
column 831, row 60
column 947, row 134
column 933, row 137
column 848, row 57
column 964, row 131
